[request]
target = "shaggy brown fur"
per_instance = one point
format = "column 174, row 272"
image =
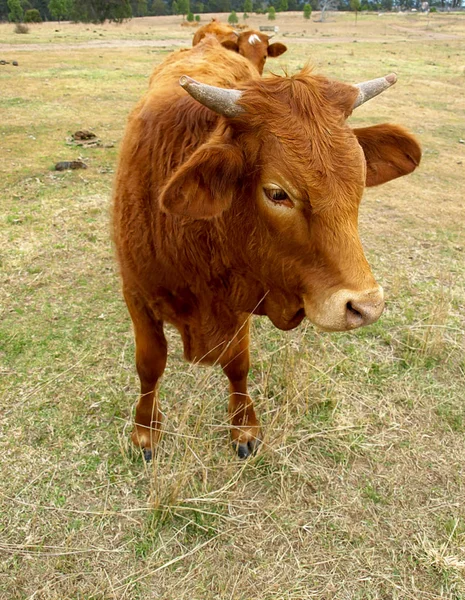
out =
column 203, row 243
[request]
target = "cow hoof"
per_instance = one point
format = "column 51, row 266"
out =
column 147, row 454
column 247, row 449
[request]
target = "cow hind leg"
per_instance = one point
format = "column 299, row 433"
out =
column 245, row 428
column 151, row 352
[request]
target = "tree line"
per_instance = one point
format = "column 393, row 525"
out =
column 99, row 11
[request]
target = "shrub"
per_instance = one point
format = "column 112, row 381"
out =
column 32, row 16
column 232, row 19
column 307, row 11
column 190, row 17
column 21, row 28
column 271, row 13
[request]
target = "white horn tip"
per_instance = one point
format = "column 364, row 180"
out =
column 185, row 80
column 370, row 89
column 391, row 78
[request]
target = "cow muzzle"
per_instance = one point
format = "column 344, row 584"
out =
column 346, row 309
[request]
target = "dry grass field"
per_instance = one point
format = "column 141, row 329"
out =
column 358, row 491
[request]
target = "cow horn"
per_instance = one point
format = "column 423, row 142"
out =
column 222, row 101
column 370, row 89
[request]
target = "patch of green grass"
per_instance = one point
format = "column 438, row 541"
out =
column 452, row 414
column 454, row 528
column 371, row 493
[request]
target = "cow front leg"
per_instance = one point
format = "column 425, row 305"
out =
column 151, row 352
column 245, row 428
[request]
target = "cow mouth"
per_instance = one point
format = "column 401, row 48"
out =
column 299, row 315
column 285, row 322
column 285, row 313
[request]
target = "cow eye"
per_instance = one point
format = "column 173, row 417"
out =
column 277, row 195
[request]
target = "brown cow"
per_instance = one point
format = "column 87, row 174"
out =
column 253, row 45
column 243, row 201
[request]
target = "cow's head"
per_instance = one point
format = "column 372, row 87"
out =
column 255, row 47
column 286, row 174
column 220, row 31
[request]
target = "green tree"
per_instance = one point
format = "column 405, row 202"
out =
column 232, row 19
column 190, row 17
column 223, row 6
column 99, row 11
column 32, row 16
column 139, row 8
column 16, row 13
column 197, row 18
column 121, row 12
column 158, row 8
column 3, row 10
column 248, row 6
column 282, row 6
column 183, row 8
column 355, row 5
column 42, row 7
column 307, row 11
column 271, row 13
column 175, row 8
column 59, row 9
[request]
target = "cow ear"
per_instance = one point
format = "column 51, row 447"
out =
column 390, row 152
column 276, row 49
column 203, row 187
column 230, row 45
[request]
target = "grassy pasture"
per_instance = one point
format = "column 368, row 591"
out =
column 358, row 491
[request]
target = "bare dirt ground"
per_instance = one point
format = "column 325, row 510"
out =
column 95, row 44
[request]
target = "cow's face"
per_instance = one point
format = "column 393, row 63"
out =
column 308, row 199
column 255, row 47
column 288, row 175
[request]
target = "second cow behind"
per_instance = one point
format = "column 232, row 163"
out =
column 252, row 45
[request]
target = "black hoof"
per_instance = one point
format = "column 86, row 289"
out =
column 249, row 449
column 147, row 454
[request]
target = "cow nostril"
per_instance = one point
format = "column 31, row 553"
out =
column 363, row 312
column 355, row 317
